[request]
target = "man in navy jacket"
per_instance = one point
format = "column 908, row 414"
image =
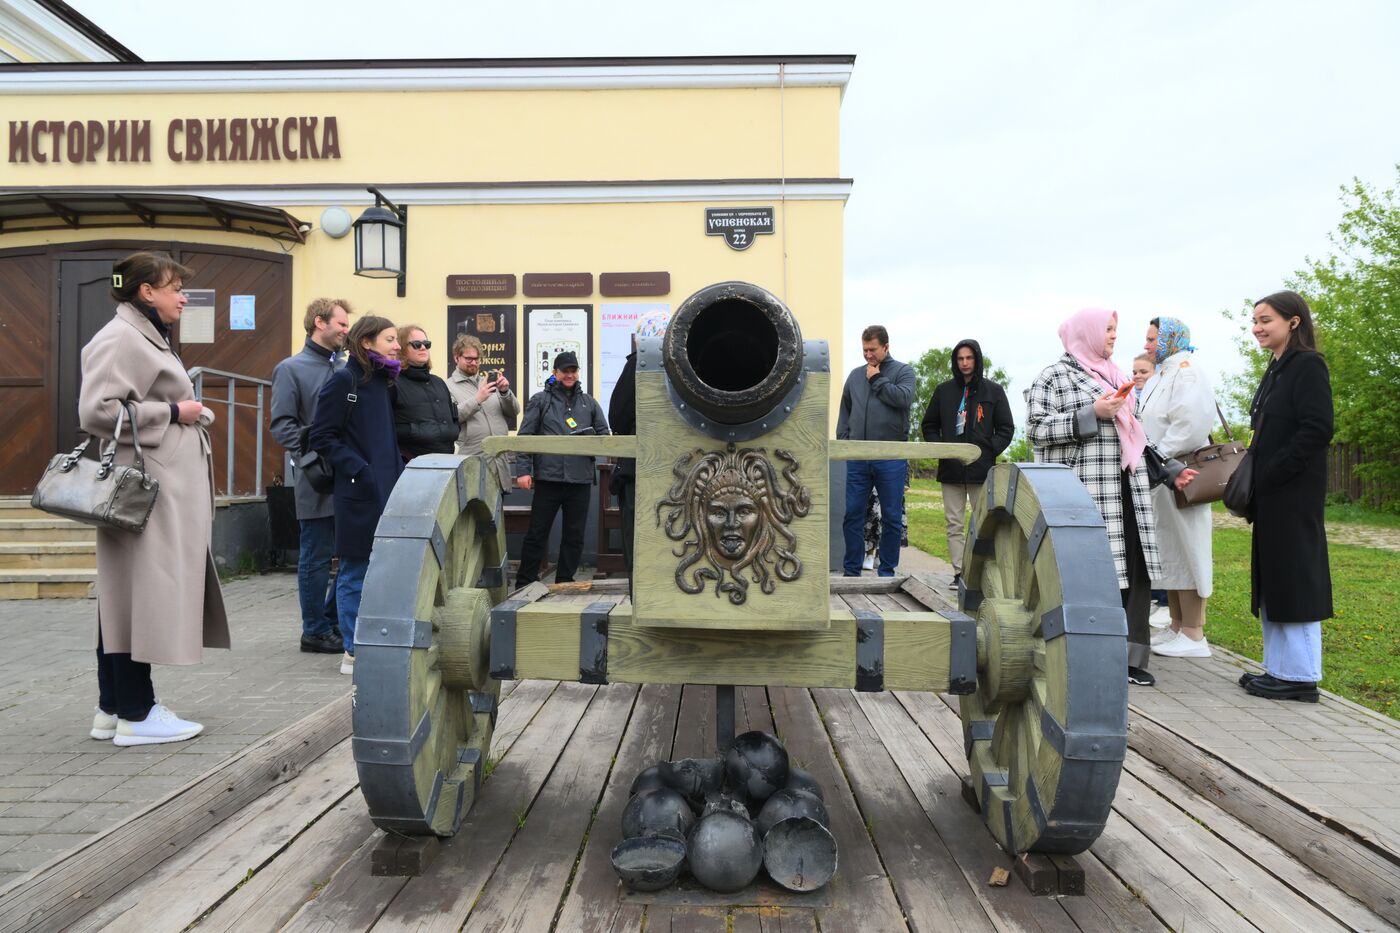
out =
column 875, row 407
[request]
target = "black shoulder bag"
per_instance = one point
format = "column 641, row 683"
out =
column 317, row 469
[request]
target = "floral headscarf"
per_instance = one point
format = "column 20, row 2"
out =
column 1172, row 337
column 1083, row 338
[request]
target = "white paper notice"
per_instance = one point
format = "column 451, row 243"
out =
column 242, row 313
column 197, row 320
column 553, row 331
column 616, row 324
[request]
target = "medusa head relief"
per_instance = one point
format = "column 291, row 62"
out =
column 731, row 512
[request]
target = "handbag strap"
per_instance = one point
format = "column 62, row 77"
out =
column 1224, row 424
column 126, row 412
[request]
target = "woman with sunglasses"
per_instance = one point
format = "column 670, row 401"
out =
column 425, row 418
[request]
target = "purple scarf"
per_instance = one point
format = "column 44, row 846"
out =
column 391, row 367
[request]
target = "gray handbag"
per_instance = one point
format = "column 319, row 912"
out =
column 99, row 492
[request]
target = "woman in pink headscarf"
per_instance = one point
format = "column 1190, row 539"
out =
column 1080, row 417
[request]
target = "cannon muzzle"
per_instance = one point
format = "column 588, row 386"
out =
column 733, row 353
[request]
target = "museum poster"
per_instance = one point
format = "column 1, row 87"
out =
column 551, row 330
column 494, row 326
column 616, row 324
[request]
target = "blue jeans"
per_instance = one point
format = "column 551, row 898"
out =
column 318, row 614
column 349, row 584
column 887, row 478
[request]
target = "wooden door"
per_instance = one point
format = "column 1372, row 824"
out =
column 84, row 307
column 26, row 348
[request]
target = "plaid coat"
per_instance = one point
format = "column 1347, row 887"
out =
column 1062, row 428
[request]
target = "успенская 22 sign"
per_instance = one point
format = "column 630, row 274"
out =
column 738, row 225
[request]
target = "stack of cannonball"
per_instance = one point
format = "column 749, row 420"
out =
column 725, row 819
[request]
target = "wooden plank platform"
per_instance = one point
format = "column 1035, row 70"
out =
column 532, row 855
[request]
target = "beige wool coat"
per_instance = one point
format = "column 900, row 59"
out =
column 158, row 594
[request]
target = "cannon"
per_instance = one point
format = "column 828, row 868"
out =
column 731, row 586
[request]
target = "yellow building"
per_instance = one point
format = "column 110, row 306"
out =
column 545, row 200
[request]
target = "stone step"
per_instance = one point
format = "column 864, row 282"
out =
column 46, row 584
column 49, row 528
column 50, row 555
column 19, row 507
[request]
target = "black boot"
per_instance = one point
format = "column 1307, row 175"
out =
column 1272, row 688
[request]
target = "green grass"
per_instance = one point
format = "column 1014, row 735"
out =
column 1359, row 659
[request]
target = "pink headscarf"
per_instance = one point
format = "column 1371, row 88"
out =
column 1083, row 335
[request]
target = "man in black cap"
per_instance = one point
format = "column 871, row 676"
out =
column 560, row 481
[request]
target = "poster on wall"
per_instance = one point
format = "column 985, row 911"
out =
column 551, row 330
column 616, row 324
column 197, row 320
column 494, row 326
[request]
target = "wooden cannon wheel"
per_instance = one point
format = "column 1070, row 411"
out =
column 424, row 705
column 1046, row 730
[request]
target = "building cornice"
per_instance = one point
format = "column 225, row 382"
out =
column 55, row 34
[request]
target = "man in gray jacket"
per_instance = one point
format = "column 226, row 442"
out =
column 559, row 481
column 485, row 405
column 875, row 407
column 296, row 382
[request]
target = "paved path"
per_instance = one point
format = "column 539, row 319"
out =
column 1336, row 757
column 1385, row 539
column 58, row 786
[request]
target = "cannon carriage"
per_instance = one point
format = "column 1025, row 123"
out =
column 730, row 586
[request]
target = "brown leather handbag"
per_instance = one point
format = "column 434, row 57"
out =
column 1215, row 464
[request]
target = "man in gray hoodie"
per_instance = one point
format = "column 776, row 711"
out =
column 875, row 407
column 296, row 383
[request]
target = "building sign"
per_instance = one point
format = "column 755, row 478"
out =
column 197, row 320
column 616, row 325
column 236, row 139
column 558, row 284
column 630, row 284
column 551, row 330
column 494, row 326
column 738, row 225
column 481, row 286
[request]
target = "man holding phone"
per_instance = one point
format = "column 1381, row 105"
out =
column 485, row 405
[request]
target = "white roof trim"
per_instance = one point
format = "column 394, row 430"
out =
column 597, row 77
column 563, row 193
column 37, row 32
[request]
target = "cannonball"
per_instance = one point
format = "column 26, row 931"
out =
column 756, row 765
column 725, row 852
column 657, row 812
column 648, row 863
column 800, row 854
column 799, row 779
column 717, row 801
column 694, row 778
column 648, row 779
column 785, row 804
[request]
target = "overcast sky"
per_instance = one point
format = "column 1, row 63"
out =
column 1013, row 161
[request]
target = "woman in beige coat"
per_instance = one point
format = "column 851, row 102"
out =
column 158, row 596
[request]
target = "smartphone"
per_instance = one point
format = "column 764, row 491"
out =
column 1123, row 392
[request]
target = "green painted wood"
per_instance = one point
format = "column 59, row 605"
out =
column 591, row 445
column 663, row 438
column 903, row 450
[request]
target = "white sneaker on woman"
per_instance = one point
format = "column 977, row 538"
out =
column 1164, row 636
column 1183, row 647
column 104, row 725
column 347, row 663
column 159, row 726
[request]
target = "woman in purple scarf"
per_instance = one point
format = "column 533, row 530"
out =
column 354, row 430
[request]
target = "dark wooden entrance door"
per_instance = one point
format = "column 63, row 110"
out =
column 84, row 307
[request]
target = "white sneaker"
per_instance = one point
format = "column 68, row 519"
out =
column 1159, row 617
column 159, row 726
column 1183, row 647
column 347, row 664
column 1162, row 636
column 104, row 725
column 868, row 563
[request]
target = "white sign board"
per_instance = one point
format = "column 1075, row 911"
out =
column 550, row 331
column 616, row 324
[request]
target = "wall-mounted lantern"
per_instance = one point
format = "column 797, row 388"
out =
column 381, row 241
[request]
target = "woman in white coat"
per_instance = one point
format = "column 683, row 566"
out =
column 1177, row 409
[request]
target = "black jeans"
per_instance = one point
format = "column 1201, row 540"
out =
column 1137, row 598
column 123, row 686
column 550, row 497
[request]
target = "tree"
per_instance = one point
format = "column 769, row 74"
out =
column 933, row 367
column 1355, row 298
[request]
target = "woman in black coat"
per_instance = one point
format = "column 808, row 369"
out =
column 1292, row 420
column 357, row 439
column 425, row 417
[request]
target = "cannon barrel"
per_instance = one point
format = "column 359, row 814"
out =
column 733, row 352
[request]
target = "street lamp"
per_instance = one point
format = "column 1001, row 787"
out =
column 381, row 241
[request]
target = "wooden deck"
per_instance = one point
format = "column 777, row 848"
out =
column 532, row 855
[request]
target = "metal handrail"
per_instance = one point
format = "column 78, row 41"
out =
column 197, row 377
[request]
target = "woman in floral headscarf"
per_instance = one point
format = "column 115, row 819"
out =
column 1077, row 417
column 1177, row 408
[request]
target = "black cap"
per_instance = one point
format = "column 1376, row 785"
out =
column 566, row 360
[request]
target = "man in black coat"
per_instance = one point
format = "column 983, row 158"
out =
column 560, row 481
column 967, row 409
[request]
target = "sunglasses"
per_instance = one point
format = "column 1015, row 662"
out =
column 421, row 344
